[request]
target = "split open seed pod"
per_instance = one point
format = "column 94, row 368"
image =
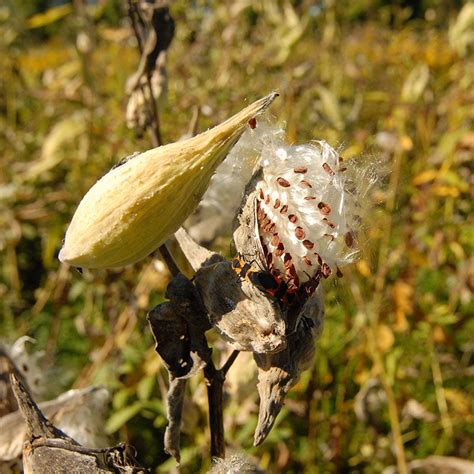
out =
column 136, row 206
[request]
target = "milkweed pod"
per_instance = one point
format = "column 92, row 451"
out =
column 136, row 206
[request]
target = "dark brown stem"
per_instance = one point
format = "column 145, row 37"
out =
column 228, row 364
column 215, row 396
column 155, row 125
column 169, row 260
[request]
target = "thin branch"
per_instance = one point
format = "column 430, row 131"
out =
column 169, row 260
column 228, row 364
column 215, row 397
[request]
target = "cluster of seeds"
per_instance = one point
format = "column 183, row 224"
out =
column 305, row 214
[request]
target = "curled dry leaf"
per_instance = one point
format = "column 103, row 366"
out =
column 174, row 407
column 178, row 327
column 278, row 372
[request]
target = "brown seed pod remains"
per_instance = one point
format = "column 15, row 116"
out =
column 283, row 182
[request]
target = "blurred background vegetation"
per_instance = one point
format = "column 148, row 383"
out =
column 392, row 80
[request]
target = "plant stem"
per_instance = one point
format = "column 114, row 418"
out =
column 214, row 377
column 215, row 396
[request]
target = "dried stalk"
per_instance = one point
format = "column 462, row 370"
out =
column 214, row 377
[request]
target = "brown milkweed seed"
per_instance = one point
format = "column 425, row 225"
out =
column 309, row 198
column 275, row 240
column 279, row 250
column 300, row 169
column 329, row 236
column 277, row 204
column 329, row 223
column 326, row 270
column 261, row 194
column 291, row 270
column 292, row 218
column 305, row 183
column 324, row 208
column 307, row 261
column 349, row 239
column 287, row 260
column 308, row 244
column 284, row 209
column 300, row 234
column 283, row 182
column 328, row 169
column 320, row 260
column 267, row 199
column 252, row 123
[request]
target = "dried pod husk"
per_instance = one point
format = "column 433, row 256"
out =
column 48, row 449
column 277, row 373
column 245, row 317
column 135, row 207
column 81, row 413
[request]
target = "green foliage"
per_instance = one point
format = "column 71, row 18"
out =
column 382, row 80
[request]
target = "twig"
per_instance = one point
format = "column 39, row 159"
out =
column 169, row 260
column 215, row 396
column 228, row 364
